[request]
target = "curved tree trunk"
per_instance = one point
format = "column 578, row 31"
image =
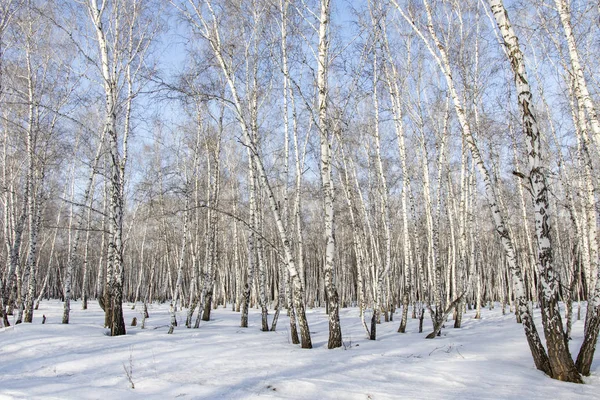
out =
column 561, row 362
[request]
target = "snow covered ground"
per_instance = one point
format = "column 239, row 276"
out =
column 486, row 359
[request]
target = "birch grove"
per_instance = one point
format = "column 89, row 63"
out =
column 415, row 159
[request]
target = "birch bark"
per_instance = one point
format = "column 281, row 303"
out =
column 115, row 246
column 335, row 331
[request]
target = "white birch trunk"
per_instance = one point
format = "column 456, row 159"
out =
column 108, row 69
column 175, row 300
column 561, row 363
column 383, row 268
column 335, row 332
column 392, row 80
column 581, row 89
column 33, row 215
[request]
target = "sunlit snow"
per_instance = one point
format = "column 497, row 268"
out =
column 486, row 359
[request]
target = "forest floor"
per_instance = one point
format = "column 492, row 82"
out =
column 486, row 359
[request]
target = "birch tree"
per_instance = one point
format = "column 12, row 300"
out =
column 441, row 58
column 561, row 362
column 585, row 101
column 335, row 332
column 121, row 52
